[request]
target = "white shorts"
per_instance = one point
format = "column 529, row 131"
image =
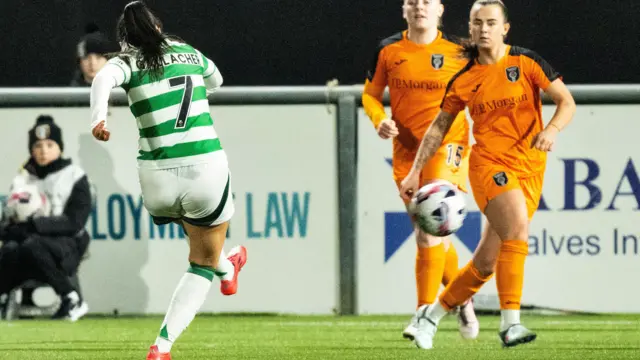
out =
column 198, row 194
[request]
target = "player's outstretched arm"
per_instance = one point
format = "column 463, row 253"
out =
column 430, row 143
column 212, row 76
column 432, row 139
column 100, row 91
column 565, row 104
column 213, row 82
column 565, row 110
column 372, row 102
column 373, row 107
column 115, row 73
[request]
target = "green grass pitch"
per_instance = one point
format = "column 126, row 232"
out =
column 317, row 337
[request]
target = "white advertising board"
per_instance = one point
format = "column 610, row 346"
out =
column 584, row 241
column 283, row 161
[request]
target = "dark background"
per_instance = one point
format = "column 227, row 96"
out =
column 293, row 42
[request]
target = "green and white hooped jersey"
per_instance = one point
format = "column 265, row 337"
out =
column 172, row 112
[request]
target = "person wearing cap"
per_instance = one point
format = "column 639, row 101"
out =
column 49, row 248
column 92, row 53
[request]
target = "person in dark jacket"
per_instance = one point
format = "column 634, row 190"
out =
column 49, row 248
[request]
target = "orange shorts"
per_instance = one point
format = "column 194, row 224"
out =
column 489, row 181
column 450, row 163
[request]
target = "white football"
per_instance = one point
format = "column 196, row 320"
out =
column 439, row 208
column 25, row 201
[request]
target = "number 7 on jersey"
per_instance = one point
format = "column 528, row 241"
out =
column 185, row 104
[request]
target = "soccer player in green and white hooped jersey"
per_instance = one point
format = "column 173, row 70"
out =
column 183, row 170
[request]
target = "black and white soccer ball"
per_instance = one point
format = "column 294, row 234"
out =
column 439, row 208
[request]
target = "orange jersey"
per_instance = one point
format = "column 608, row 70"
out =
column 505, row 105
column 417, row 76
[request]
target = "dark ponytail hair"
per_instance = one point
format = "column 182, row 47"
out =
column 469, row 49
column 138, row 29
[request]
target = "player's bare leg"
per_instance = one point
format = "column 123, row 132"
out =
column 508, row 215
column 205, row 247
column 228, row 266
column 505, row 216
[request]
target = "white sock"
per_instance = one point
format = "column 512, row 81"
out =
column 225, row 269
column 508, row 318
column 436, row 312
column 188, row 297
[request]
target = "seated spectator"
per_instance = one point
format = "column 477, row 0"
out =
column 49, row 248
column 92, row 53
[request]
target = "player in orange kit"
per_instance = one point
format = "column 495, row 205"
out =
column 416, row 65
column 501, row 87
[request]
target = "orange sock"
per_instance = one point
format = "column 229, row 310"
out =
column 450, row 266
column 429, row 269
column 463, row 286
column 510, row 273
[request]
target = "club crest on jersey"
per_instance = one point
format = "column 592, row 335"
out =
column 437, row 61
column 42, row 131
column 513, row 73
column 501, row 178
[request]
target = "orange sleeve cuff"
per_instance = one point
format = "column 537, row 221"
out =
column 377, row 116
column 373, row 107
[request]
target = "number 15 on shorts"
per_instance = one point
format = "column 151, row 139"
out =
column 454, row 154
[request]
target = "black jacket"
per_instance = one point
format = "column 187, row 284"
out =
column 67, row 188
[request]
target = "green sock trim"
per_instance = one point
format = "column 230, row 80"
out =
column 164, row 333
column 204, row 271
column 219, row 273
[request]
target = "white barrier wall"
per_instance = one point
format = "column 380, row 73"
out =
column 584, row 242
column 283, row 164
